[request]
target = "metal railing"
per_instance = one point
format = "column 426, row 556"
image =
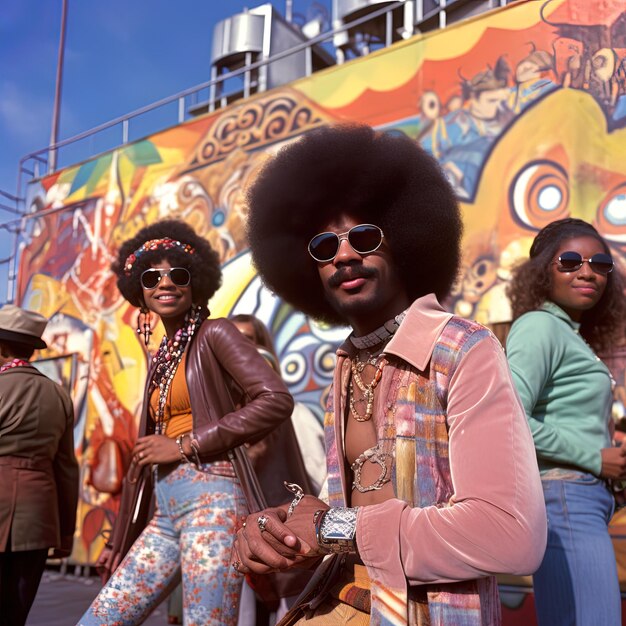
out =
column 36, row 164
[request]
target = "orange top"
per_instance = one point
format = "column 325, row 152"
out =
column 177, row 416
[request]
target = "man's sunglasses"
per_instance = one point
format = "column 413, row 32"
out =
column 571, row 261
column 180, row 276
column 364, row 239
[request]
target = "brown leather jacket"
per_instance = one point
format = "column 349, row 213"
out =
column 220, row 361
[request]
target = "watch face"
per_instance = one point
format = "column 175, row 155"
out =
column 339, row 525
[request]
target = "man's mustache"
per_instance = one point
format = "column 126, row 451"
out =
column 344, row 274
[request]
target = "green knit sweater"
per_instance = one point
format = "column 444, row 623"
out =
column 564, row 387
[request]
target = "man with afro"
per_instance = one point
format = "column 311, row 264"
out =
column 433, row 485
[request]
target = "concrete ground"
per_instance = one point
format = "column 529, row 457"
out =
column 63, row 598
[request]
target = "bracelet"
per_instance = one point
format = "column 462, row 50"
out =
column 335, row 529
column 318, row 517
column 298, row 494
column 183, row 457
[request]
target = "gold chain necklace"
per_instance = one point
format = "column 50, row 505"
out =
column 367, row 390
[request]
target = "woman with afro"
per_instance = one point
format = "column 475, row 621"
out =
column 568, row 306
column 189, row 438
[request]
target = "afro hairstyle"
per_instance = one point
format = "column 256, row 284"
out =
column 375, row 177
column 203, row 264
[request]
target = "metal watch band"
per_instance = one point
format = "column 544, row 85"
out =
column 337, row 529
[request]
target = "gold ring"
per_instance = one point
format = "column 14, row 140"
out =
column 140, row 455
column 236, row 565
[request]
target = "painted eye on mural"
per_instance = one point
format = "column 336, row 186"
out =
column 324, row 360
column 540, row 194
column 478, row 279
column 219, row 217
column 611, row 218
column 293, row 368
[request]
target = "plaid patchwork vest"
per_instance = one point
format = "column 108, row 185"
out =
column 420, row 477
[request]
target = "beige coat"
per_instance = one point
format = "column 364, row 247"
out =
column 38, row 469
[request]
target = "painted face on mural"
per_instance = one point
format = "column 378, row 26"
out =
column 580, row 290
column 543, row 176
column 169, row 300
column 364, row 288
column 487, row 104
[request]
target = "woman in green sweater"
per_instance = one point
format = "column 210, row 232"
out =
column 568, row 306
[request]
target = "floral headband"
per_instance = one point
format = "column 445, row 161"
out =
column 155, row 244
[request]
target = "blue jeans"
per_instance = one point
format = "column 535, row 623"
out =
column 191, row 533
column 577, row 583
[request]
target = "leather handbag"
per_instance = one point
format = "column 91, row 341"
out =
column 107, row 469
column 316, row 591
column 136, row 509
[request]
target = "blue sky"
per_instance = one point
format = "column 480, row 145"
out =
column 120, row 55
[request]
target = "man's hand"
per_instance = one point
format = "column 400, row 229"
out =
column 302, row 523
column 614, row 462
column 155, row 449
column 283, row 543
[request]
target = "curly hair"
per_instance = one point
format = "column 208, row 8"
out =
column 203, row 265
column 531, row 283
column 380, row 178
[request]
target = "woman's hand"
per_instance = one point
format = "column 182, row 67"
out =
column 107, row 564
column 155, row 449
column 613, row 462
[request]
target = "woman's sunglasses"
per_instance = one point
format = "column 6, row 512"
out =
column 571, row 261
column 364, row 239
column 180, row 276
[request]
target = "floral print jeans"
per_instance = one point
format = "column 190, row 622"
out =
column 191, row 534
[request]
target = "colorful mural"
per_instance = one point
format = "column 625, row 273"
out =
column 525, row 107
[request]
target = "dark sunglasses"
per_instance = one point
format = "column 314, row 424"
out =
column 180, row 276
column 571, row 261
column 364, row 239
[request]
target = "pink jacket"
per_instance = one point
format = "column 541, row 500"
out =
column 481, row 511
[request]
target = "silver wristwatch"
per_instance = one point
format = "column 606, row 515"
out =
column 336, row 529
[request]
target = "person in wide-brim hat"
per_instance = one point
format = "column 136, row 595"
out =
column 21, row 326
column 38, row 467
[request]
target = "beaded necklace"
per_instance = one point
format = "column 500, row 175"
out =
column 378, row 338
column 367, row 390
column 168, row 357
